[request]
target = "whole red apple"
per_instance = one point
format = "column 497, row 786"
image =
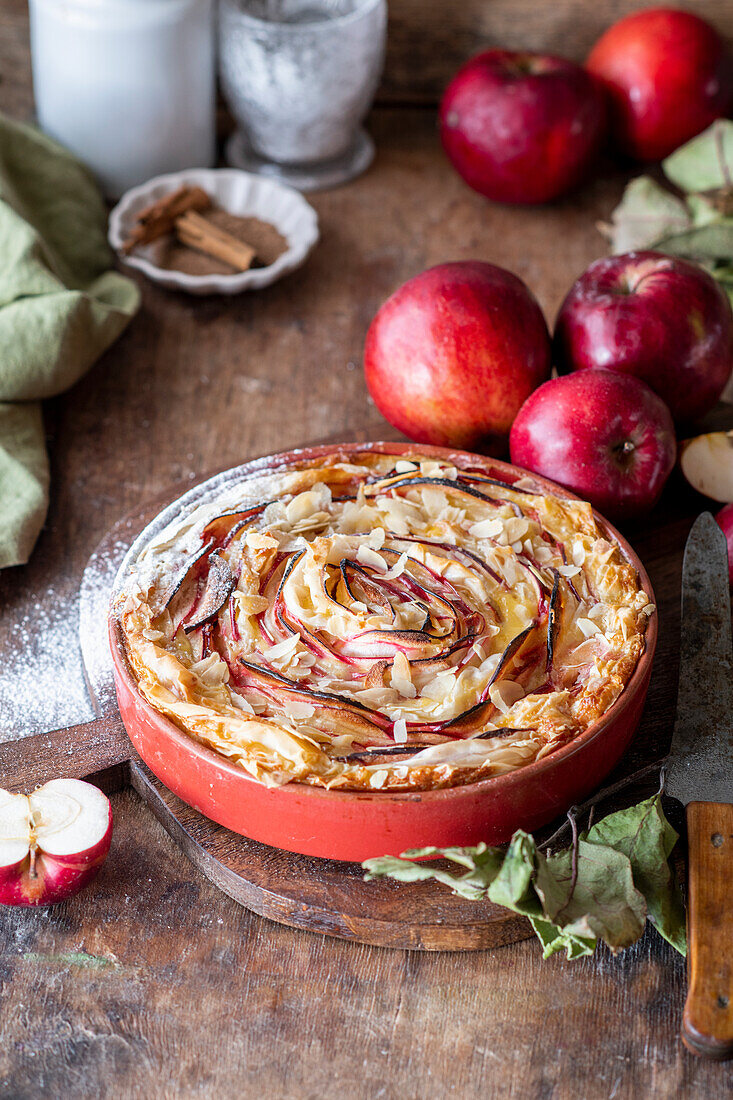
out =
column 451, row 356
column 603, row 435
column 668, row 77
column 522, row 127
column 725, row 522
column 659, row 318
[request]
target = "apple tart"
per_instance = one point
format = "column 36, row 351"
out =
column 371, row 621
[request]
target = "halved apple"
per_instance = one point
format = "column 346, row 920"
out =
column 707, row 463
column 52, row 842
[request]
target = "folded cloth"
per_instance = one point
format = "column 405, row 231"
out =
column 60, row 307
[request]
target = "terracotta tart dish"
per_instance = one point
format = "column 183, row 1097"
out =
column 353, row 650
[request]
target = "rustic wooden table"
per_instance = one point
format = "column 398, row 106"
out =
column 152, row 983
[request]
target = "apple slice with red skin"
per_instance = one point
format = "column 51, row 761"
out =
column 603, row 435
column 707, row 463
column 52, row 842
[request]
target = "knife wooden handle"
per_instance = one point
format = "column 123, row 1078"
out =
column 707, row 1025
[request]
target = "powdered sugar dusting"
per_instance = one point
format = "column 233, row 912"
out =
column 96, row 591
column 42, row 682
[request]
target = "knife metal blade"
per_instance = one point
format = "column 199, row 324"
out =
column 700, row 764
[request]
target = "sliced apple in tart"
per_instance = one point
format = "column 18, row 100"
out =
column 383, row 622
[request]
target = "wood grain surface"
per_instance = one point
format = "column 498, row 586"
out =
column 429, row 39
column 153, row 983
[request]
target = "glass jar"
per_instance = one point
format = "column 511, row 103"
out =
column 127, row 85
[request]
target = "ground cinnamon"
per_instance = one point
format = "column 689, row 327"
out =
column 268, row 243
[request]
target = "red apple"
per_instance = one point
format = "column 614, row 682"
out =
column 603, row 435
column 52, row 842
column 668, row 77
column 725, row 522
column 659, row 318
column 522, row 127
column 451, row 356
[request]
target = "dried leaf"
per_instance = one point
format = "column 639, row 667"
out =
column 713, row 241
column 644, row 835
column 599, row 902
column 645, row 215
column 706, row 162
column 604, row 888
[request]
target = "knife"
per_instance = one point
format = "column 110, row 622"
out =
column 700, row 775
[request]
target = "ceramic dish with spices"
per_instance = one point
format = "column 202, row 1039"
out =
column 431, row 629
column 274, row 221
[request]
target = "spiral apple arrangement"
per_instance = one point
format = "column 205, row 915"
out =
column 341, row 611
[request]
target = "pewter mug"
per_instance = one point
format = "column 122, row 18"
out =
column 299, row 77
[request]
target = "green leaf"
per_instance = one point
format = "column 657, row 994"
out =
column 706, row 162
column 554, row 939
column 602, row 902
column 644, row 835
column 645, row 215
column 713, row 241
column 618, row 876
column 512, row 887
column 482, row 863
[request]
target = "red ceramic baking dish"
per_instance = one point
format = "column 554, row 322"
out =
column 348, row 825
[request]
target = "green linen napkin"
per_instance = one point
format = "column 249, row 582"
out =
column 60, row 307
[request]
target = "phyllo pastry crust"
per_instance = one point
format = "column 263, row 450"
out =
column 388, row 622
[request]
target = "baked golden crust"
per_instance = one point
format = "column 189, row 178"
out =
column 389, row 622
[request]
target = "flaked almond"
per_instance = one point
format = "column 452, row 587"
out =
column 286, row 648
column 367, row 556
column 516, row 528
column 397, row 569
column 486, row 529
column 377, row 537
column 399, row 731
column 568, row 570
column 578, row 553
column 401, row 678
column 587, row 627
column 505, row 694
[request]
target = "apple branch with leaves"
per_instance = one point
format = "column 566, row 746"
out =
column 614, row 877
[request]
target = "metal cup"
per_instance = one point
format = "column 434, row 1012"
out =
column 299, row 77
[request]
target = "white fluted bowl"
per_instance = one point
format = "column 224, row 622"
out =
column 237, row 192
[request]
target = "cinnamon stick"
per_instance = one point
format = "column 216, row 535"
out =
column 198, row 233
column 160, row 217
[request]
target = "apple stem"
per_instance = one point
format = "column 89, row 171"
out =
column 32, row 873
column 624, row 451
